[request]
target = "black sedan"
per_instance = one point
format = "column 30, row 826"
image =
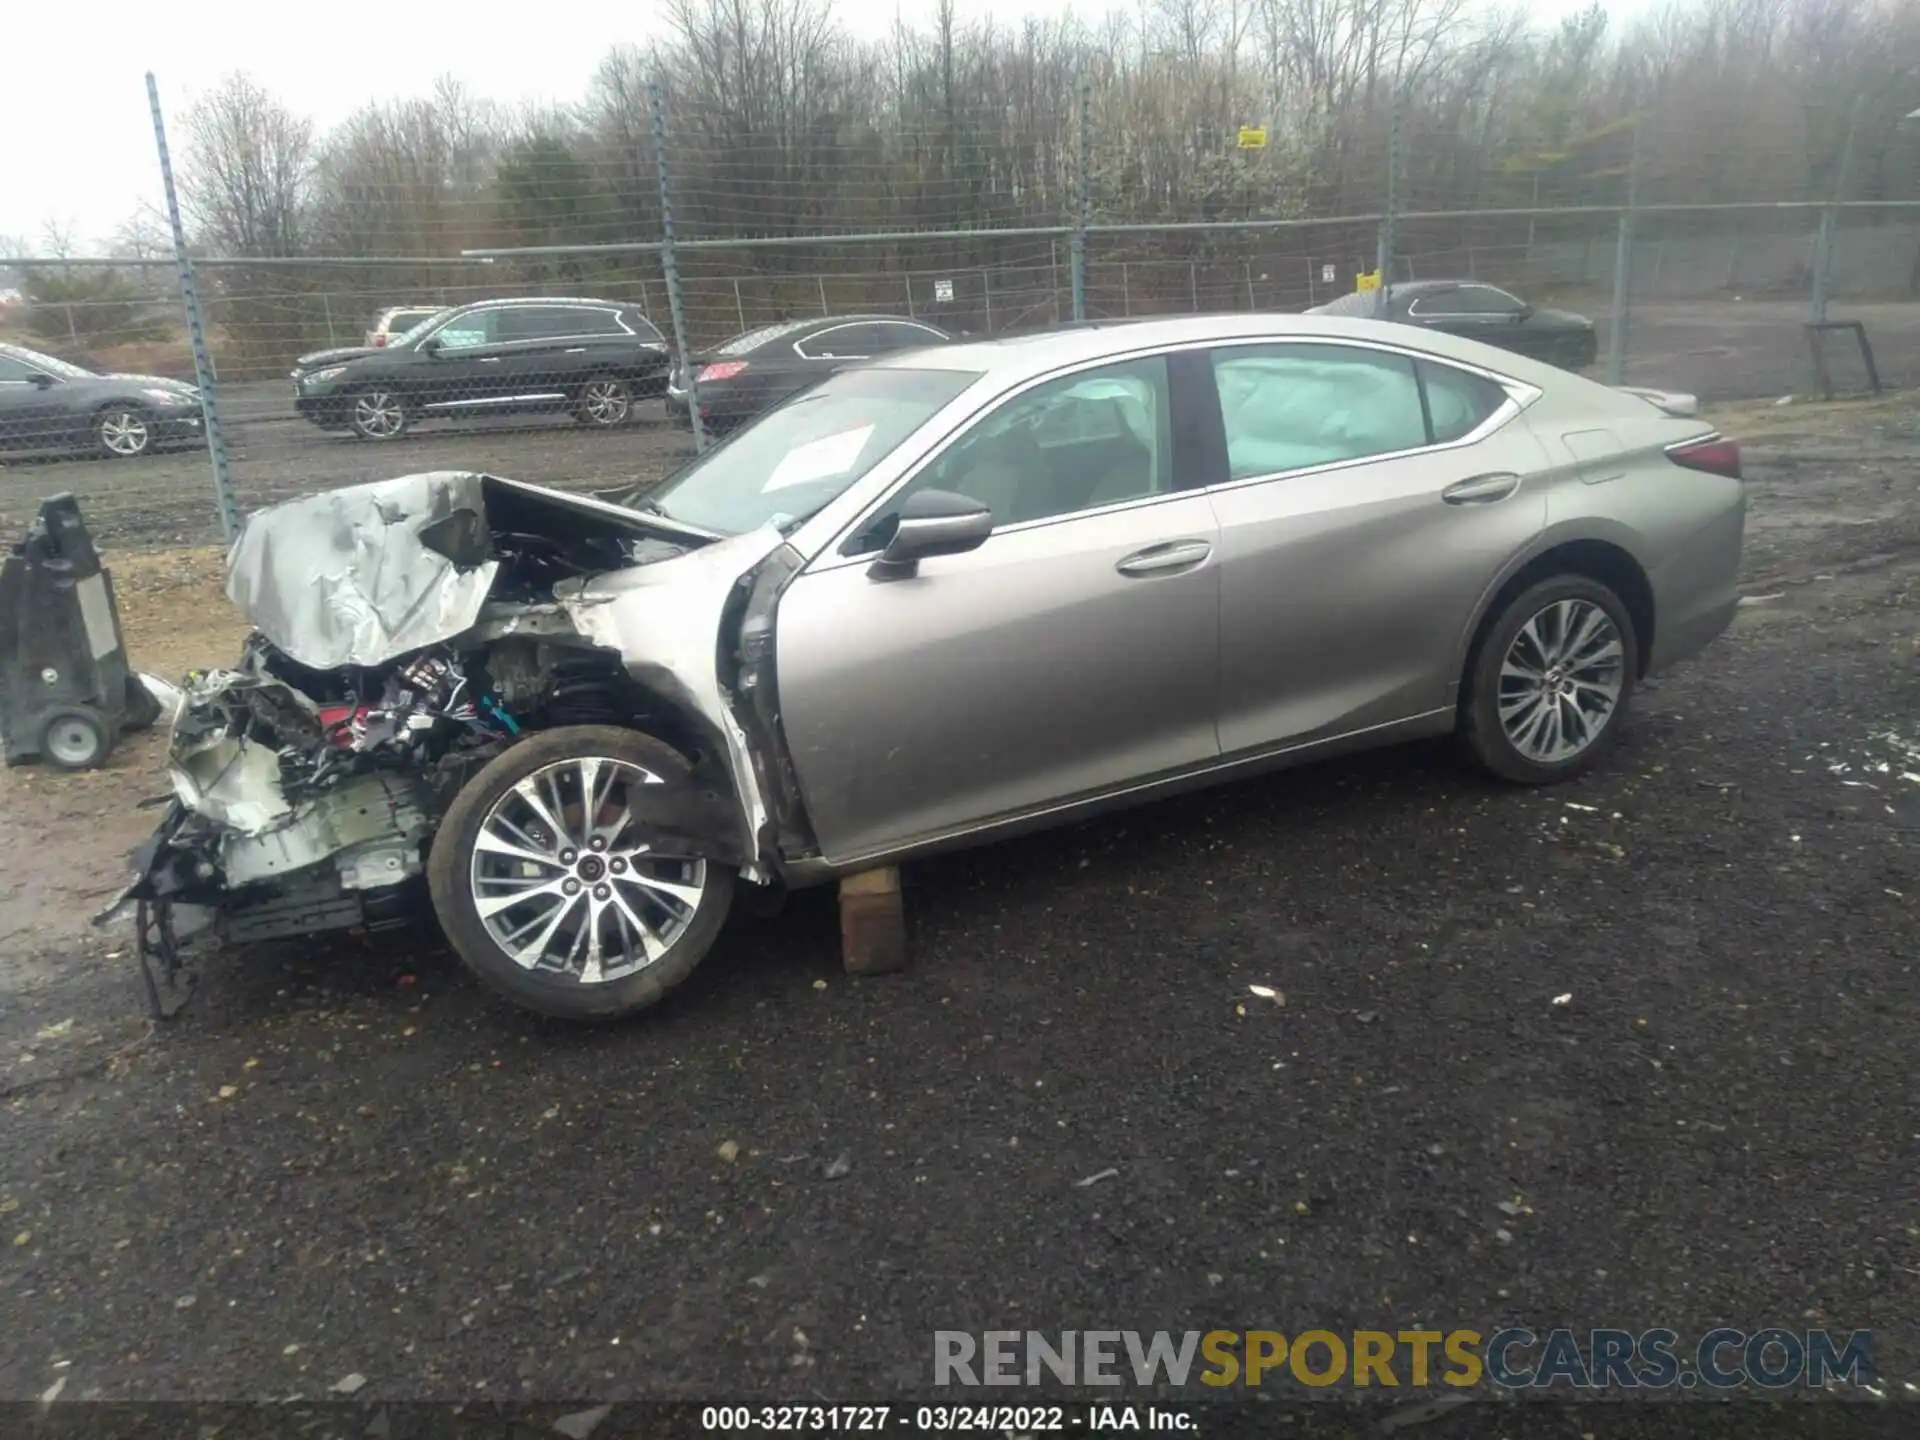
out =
column 1481, row 312
column 54, row 406
column 593, row 358
column 754, row 372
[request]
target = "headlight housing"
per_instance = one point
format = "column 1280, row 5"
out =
column 321, row 377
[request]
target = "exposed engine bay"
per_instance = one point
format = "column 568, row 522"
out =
column 408, row 632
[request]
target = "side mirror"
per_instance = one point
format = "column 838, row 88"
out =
column 932, row 522
column 430, row 345
column 40, row 380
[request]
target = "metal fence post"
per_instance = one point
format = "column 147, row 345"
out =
column 1083, row 202
column 326, row 308
column 986, row 290
column 821, row 281
column 670, row 268
column 1193, row 284
column 203, row 373
column 1389, row 240
column 739, row 310
column 1623, row 264
column 1829, row 215
column 1126, row 291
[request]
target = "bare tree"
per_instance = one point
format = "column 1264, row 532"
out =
column 247, row 169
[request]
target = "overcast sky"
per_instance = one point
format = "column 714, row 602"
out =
column 86, row 160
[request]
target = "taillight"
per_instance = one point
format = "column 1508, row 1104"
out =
column 725, row 370
column 379, row 339
column 1714, row 454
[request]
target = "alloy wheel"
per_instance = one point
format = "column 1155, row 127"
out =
column 605, row 402
column 379, row 415
column 124, row 432
column 564, row 881
column 1561, row 681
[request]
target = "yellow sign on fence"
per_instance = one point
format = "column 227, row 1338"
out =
column 1253, row 137
column 1370, row 281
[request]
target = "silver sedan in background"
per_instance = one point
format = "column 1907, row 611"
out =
column 966, row 592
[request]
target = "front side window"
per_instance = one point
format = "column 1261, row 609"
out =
column 1098, row 437
column 804, row 453
column 15, row 371
column 464, row 332
column 1288, row 407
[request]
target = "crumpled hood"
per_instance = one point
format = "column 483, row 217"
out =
column 366, row 574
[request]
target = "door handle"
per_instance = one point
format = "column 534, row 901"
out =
column 1481, row 490
column 576, row 350
column 489, row 359
column 1159, row 559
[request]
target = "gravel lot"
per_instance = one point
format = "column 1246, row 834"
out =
column 349, row 1161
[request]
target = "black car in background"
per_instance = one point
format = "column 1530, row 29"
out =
column 52, row 405
column 593, row 358
column 1481, row 312
column 754, row 372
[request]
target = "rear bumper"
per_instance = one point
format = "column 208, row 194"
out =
column 1696, row 593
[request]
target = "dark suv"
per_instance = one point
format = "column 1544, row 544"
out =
column 591, row 357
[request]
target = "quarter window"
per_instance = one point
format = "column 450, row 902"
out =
column 1458, row 403
column 1099, row 437
column 1288, row 407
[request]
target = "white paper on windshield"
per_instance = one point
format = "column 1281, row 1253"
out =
column 818, row 459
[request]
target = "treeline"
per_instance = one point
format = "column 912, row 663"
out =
column 782, row 124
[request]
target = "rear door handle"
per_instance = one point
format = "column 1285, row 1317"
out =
column 1159, row 559
column 1481, row 490
column 489, row 359
column 576, row 350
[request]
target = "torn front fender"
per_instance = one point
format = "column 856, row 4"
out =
column 669, row 624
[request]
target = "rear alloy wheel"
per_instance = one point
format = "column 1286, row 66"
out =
column 606, row 402
column 123, row 432
column 377, row 415
column 1551, row 681
column 554, row 888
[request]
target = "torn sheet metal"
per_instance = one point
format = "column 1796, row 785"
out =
column 664, row 621
column 364, row 575
column 344, row 578
column 228, row 732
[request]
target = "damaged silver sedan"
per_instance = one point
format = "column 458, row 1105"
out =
column 935, row 600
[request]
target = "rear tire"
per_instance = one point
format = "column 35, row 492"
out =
column 1549, row 683
column 604, row 402
column 538, row 911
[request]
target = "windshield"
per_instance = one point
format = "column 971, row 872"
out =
column 47, row 363
column 412, row 332
column 805, row 453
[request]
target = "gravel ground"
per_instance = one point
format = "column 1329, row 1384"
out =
column 346, row 1160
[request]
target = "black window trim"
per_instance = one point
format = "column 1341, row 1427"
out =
column 854, row 325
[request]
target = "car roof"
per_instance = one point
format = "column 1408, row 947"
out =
column 1013, row 358
column 517, row 301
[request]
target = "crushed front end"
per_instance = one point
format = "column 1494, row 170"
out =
column 407, row 633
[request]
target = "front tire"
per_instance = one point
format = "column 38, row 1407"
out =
column 604, row 402
column 123, row 432
column 552, row 887
column 377, row 415
column 1549, row 683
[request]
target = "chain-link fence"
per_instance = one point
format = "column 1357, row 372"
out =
column 583, row 254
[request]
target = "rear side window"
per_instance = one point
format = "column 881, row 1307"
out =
column 754, row 339
column 1458, row 403
column 558, row 322
column 1288, row 407
column 643, row 328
